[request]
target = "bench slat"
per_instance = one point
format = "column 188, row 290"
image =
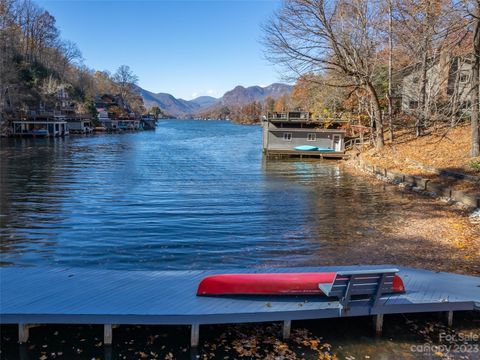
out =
column 364, row 291
column 367, row 272
column 344, row 281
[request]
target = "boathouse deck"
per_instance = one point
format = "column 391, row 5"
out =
column 112, row 297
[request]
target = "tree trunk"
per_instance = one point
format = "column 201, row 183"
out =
column 475, row 85
column 423, row 94
column 390, row 65
column 377, row 114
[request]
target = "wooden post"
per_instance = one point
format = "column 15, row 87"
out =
column 107, row 334
column 378, row 324
column 195, row 335
column 287, row 326
column 23, row 333
column 450, row 318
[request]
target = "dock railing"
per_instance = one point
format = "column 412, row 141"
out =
column 303, row 116
column 356, row 142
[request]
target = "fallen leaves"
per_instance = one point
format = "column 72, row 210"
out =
column 263, row 342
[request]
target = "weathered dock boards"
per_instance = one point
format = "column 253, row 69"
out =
column 90, row 296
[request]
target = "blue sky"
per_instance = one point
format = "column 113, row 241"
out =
column 186, row 48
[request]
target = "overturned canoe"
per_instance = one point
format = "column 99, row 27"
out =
column 273, row 284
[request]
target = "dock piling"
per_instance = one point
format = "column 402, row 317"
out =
column 378, row 324
column 195, row 335
column 450, row 318
column 287, row 326
column 23, row 333
column 107, row 334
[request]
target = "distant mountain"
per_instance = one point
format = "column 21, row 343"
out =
column 168, row 103
column 204, row 101
column 241, row 95
column 236, row 97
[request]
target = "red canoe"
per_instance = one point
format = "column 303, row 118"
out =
column 273, row 284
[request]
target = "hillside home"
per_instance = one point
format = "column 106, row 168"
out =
column 286, row 133
column 107, row 118
column 448, row 79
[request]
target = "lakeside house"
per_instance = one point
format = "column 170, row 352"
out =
column 114, row 114
column 447, row 81
column 284, row 132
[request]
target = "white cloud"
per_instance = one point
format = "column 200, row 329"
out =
column 211, row 92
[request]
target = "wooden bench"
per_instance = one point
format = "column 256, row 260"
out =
column 363, row 287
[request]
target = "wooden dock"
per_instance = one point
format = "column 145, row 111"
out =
column 111, row 297
column 279, row 154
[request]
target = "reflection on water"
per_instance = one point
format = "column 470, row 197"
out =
column 189, row 195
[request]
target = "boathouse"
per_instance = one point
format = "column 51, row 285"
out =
column 298, row 133
column 148, row 122
column 120, row 124
column 79, row 124
column 41, row 124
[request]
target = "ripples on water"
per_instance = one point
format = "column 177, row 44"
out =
column 189, row 195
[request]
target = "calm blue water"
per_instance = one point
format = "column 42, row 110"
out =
column 192, row 194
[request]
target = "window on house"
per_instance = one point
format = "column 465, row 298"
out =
column 413, row 104
column 287, row 136
column 311, row 137
column 464, row 78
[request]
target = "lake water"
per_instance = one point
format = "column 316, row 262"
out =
column 191, row 195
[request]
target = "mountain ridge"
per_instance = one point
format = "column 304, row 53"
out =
column 238, row 96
